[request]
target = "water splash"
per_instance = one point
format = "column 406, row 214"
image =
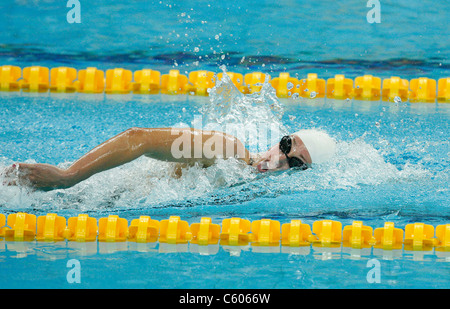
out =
column 255, row 118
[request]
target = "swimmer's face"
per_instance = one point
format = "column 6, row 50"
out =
column 276, row 160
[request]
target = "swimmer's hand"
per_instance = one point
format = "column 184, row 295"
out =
column 43, row 177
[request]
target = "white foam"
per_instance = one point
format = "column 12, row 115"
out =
column 255, row 118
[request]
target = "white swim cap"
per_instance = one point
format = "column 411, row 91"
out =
column 320, row 145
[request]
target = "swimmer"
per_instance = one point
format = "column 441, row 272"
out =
column 185, row 147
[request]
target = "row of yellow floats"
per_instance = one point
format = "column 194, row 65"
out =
column 146, row 81
column 233, row 232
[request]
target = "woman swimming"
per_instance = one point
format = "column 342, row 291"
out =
column 183, row 146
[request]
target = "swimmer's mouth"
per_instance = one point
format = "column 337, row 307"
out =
column 262, row 167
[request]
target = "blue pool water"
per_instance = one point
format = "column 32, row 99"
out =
column 392, row 162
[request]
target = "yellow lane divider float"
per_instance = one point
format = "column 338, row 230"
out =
column 63, row 79
column 82, row 228
column 232, row 232
column 205, row 232
column 235, row 232
column 143, row 230
column 23, row 227
column 91, row 80
column 146, row 81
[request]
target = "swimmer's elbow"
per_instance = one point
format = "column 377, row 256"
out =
column 137, row 140
column 135, row 132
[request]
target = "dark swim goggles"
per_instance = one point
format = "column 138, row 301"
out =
column 285, row 147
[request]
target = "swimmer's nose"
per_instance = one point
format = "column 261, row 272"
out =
column 267, row 165
column 278, row 160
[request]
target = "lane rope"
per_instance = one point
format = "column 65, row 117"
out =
column 234, row 231
column 146, row 81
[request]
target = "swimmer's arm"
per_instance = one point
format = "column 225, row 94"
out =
column 118, row 150
column 162, row 144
